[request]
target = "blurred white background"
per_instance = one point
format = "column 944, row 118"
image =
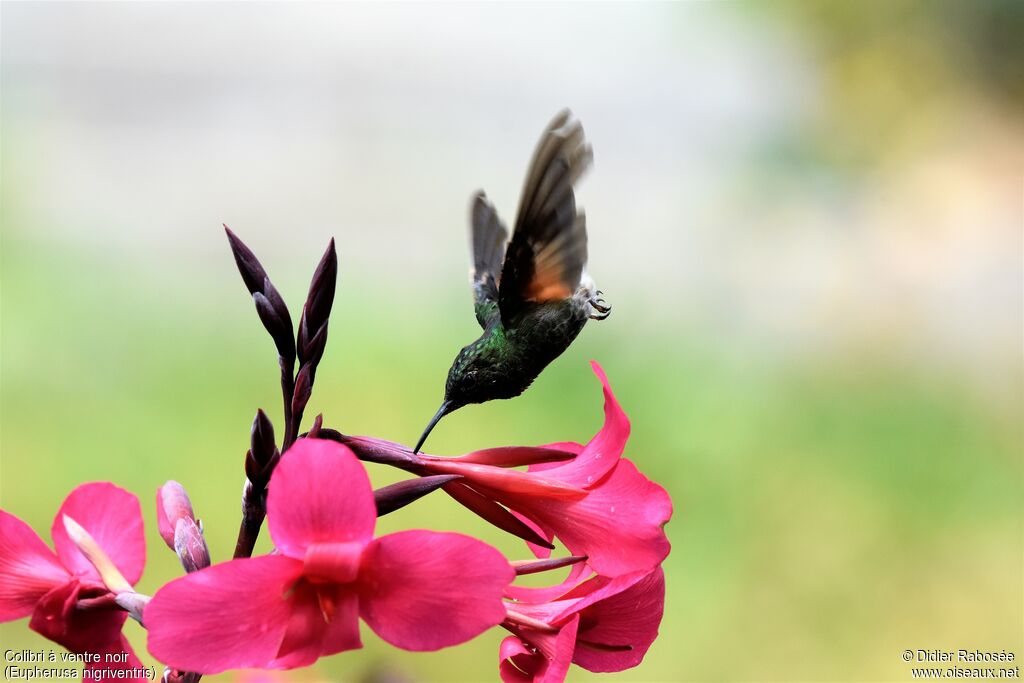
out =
column 140, row 128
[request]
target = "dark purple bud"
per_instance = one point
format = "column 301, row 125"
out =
column 321, row 288
column 318, row 305
column 395, row 496
column 533, row 566
column 279, row 328
column 263, row 455
column 253, row 469
column 303, row 390
column 261, row 439
column 269, row 305
column 248, row 265
column 276, row 302
column 313, row 349
column 259, row 473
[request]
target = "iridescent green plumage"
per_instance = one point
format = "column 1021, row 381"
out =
column 532, row 298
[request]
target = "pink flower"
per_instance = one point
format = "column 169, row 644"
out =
column 602, row 625
column 418, row 590
column 51, row 587
column 589, row 497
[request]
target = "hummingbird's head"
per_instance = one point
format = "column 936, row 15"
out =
column 475, row 376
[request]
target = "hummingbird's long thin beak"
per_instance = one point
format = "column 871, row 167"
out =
column 441, row 412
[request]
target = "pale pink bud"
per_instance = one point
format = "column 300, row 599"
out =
column 190, row 545
column 172, row 504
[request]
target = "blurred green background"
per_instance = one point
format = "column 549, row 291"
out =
column 806, row 215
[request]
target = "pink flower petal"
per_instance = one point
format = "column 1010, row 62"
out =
column 619, row 525
column 319, row 493
column 513, row 482
column 121, row 658
column 113, row 518
column 163, row 524
column 539, row 551
column 306, row 624
column 515, row 456
column 603, row 451
column 57, row 618
column 551, row 662
column 518, row 663
column 630, row 617
column 532, row 596
column 305, row 631
column 566, row 446
column 594, row 590
column 343, row 630
column 617, row 619
column 547, row 612
column 229, row 616
column 505, row 520
column 423, row 590
column 324, row 620
column 28, row 569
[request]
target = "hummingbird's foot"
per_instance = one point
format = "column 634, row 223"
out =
column 602, row 307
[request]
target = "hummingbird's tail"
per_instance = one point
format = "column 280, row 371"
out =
column 445, row 408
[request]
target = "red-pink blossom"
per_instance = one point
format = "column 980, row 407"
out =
column 588, row 496
column 48, row 586
column 604, row 624
column 418, row 590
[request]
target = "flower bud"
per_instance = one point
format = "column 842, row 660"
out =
column 269, row 304
column 313, row 324
column 303, row 390
column 172, row 504
column 175, row 676
column 190, row 545
column 395, row 496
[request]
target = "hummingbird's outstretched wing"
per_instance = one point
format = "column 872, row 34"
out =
column 488, row 236
column 545, row 258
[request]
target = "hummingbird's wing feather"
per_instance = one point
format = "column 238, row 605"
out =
column 488, row 237
column 545, row 258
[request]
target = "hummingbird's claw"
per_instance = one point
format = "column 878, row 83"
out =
column 602, row 307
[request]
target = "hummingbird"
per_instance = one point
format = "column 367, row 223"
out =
column 531, row 294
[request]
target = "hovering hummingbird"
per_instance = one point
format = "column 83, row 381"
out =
column 533, row 296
